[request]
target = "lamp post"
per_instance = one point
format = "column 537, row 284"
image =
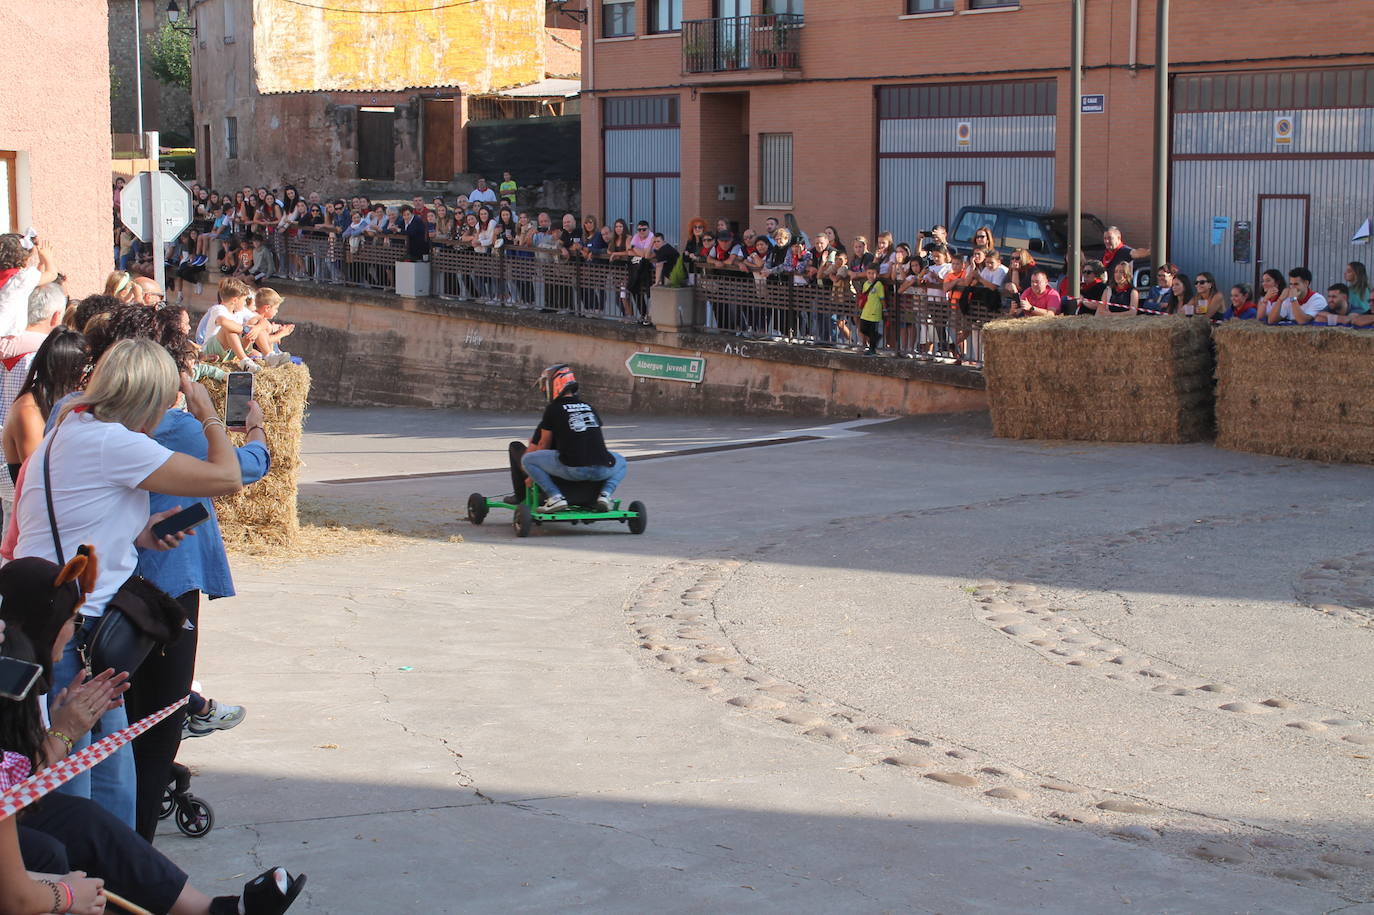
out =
column 138, row 66
column 1158, row 244
column 174, row 15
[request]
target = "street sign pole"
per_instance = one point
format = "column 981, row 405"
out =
column 155, row 211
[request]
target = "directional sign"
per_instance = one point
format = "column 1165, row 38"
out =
column 174, row 205
column 667, row 368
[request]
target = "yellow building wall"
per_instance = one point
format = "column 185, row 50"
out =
column 489, row 44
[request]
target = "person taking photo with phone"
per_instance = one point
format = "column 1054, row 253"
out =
column 88, row 483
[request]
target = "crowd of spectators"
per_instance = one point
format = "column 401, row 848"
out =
column 934, row 294
column 106, row 432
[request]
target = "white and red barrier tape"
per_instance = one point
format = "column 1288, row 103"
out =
column 35, row 786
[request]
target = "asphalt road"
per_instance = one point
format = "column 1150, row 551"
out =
column 894, row 667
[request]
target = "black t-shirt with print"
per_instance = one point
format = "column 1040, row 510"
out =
column 576, row 429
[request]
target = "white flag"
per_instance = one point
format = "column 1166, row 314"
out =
column 1361, row 235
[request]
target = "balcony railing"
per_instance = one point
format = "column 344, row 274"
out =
column 767, row 42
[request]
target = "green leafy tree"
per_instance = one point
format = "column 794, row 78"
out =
column 170, row 58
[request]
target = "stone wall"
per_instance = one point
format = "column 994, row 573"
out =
column 371, row 348
column 165, row 108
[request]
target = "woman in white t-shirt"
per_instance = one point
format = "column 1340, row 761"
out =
column 102, row 464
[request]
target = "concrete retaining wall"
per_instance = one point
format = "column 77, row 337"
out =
column 366, row 347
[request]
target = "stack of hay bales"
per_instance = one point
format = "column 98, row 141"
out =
column 264, row 514
column 1117, row 379
column 1303, row 392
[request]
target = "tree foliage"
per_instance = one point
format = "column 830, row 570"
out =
column 170, row 57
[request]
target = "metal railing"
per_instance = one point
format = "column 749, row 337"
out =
column 919, row 323
column 768, row 42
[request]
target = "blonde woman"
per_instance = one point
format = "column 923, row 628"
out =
column 120, row 285
column 98, row 464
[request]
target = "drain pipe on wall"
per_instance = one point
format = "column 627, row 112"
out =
column 1159, row 251
column 1131, row 57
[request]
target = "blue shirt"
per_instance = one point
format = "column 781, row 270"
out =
column 200, row 563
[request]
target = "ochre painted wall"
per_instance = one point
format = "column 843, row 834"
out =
column 57, row 118
column 480, row 46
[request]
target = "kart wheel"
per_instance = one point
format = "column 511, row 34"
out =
column 641, row 519
column 195, row 818
column 523, row 521
column 477, row 508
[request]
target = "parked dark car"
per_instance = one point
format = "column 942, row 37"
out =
column 1045, row 233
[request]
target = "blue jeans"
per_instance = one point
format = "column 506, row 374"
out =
column 112, row 783
column 543, row 466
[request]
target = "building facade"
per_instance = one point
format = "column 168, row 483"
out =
column 337, row 97
column 55, row 135
column 166, row 108
column 893, row 114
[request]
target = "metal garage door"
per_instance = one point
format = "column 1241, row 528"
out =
column 642, row 162
column 1272, row 170
column 941, row 147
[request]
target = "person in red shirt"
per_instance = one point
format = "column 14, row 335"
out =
column 1038, row 299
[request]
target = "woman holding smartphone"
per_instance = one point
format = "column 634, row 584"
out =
column 96, row 467
column 199, row 565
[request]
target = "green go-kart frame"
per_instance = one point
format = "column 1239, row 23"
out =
column 527, row 513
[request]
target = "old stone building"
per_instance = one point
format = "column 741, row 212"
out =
column 335, row 99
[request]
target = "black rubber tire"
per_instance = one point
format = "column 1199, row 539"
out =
column 641, row 519
column 477, row 508
column 522, row 521
column 198, row 820
column 168, row 804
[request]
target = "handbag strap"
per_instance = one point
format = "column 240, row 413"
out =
column 47, row 494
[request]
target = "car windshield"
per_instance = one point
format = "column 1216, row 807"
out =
column 1092, row 231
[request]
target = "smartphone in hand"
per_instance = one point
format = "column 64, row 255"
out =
column 17, row 677
column 183, row 520
column 238, row 393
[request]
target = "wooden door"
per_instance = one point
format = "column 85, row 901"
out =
column 439, row 164
column 377, row 144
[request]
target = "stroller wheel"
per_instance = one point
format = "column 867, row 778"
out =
column 194, row 817
column 168, row 804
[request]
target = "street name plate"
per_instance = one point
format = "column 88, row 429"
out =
column 691, row 369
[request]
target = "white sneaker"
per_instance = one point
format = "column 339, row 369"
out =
column 248, row 365
column 216, row 718
column 554, row 504
column 604, row 503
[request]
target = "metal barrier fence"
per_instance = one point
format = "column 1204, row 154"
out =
column 917, row 324
column 920, row 324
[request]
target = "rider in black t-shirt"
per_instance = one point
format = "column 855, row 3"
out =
column 568, row 444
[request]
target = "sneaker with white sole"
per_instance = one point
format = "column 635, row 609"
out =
column 216, row 718
column 604, row 503
column 554, row 504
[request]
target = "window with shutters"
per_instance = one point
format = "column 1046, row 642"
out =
column 231, row 137
column 775, row 169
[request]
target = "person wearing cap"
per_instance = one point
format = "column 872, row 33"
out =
column 641, row 275
column 569, row 444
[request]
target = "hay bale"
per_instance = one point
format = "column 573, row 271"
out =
column 264, row 514
column 1146, row 379
column 1302, row 392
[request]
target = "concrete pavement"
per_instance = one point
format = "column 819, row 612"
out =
column 589, row 719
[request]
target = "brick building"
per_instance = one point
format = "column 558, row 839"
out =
column 55, row 135
column 333, row 97
column 893, row 114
